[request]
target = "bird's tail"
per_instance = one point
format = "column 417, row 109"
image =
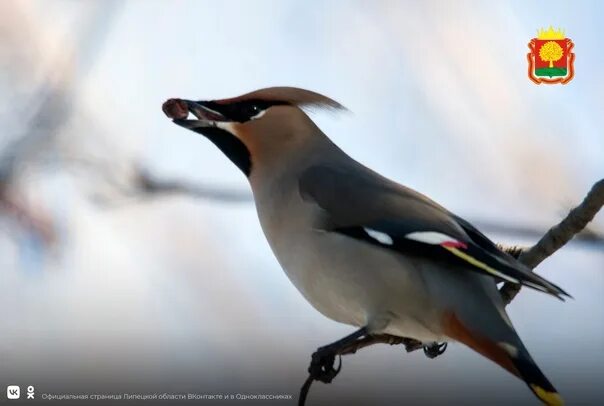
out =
column 510, row 354
column 534, row 378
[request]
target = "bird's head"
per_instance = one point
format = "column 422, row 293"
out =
column 260, row 127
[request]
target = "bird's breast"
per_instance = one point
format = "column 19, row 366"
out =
column 346, row 280
column 302, row 252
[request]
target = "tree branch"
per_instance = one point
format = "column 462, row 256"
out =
column 148, row 185
column 557, row 236
column 531, row 231
column 409, row 343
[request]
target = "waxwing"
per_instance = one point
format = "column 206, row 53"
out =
column 362, row 249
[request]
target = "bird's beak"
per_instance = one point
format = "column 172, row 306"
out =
column 215, row 126
column 179, row 109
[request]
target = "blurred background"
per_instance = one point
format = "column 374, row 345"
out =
column 131, row 258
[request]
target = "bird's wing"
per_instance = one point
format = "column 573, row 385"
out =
column 361, row 204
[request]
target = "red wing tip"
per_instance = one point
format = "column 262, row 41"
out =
column 454, row 244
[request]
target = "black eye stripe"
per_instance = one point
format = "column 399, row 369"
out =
column 242, row 111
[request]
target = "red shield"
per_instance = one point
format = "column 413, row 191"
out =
column 551, row 60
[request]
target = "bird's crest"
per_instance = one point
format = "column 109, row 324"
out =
column 302, row 98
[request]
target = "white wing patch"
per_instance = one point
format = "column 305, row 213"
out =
column 432, row 237
column 380, row 237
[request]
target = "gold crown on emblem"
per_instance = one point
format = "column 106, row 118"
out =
column 550, row 33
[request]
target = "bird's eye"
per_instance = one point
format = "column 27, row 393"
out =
column 251, row 110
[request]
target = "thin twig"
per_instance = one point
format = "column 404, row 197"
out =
column 409, row 343
column 532, row 231
column 557, row 236
column 149, row 185
column 304, row 391
column 513, row 250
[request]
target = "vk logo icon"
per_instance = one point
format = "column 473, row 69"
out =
column 13, row 392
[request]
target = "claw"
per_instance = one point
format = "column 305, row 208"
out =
column 435, row 349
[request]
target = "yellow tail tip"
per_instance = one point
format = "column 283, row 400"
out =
column 549, row 398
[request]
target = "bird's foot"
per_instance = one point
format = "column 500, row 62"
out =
column 321, row 369
column 322, row 365
column 435, row 349
column 323, row 360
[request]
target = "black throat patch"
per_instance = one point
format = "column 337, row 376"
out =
column 230, row 145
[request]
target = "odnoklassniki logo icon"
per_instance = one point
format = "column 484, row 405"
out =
column 551, row 59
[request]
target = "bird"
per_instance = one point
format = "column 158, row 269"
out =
column 362, row 249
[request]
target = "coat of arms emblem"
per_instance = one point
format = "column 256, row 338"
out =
column 550, row 59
